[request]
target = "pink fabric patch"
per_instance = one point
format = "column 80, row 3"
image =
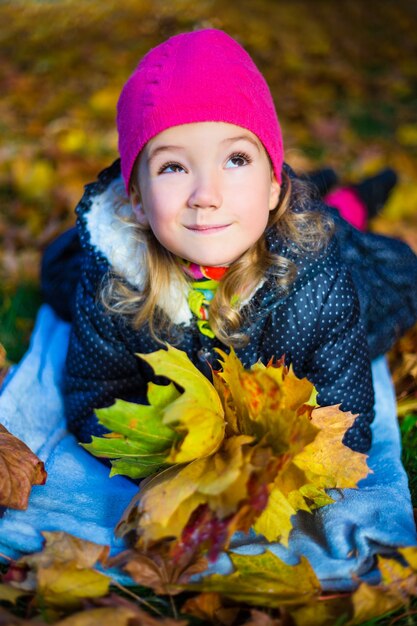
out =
column 350, row 206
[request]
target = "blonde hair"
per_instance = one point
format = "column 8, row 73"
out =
column 306, row 231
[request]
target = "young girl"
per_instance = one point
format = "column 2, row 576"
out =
column 201, row 236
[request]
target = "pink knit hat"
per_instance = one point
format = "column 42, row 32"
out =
column 200, row 76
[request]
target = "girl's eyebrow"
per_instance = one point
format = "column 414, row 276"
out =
column 159, row 149
column 239, row 137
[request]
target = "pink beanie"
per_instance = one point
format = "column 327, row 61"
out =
column 200, row 76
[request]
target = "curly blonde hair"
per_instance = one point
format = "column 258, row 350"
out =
column 308, row 232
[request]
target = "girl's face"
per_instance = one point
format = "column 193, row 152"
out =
column 205, row 190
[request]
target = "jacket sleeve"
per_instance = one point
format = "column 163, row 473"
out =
column 339, row 365
column 99, row 365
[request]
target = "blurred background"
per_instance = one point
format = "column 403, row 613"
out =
column 343, row 74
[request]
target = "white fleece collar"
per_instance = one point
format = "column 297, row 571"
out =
column 116, row 241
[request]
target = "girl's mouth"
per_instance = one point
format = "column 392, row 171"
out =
column 207, row 228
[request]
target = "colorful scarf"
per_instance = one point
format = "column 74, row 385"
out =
column 202, row 291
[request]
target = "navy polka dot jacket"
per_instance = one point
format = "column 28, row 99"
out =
column 324, row 330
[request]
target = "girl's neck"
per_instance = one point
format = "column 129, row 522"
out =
column 201, row 272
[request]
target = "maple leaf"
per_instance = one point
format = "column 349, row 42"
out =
column 398, row 585
column 20, row 469
column 140, row 442
column 370, row 602
column 173, row 428
column 264, row 580
column 167, row 500
column 326, row 461
column 62, row 572
column 155, row 568
column 266, row 402
column 321, row 464
column 197, row 413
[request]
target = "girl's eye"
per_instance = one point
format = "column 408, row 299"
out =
column 238, row 159
column 169, row 168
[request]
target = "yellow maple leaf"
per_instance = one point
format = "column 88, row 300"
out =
column 64, row 572
column 274, row 523
column 65, row 586
column 326, row 461
column 197, row 413
column 264, row 580
column 168, row 499
column 398, row 585
column 267, row 402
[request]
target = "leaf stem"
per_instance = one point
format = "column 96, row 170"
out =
column 174, row 608
column 136, row 597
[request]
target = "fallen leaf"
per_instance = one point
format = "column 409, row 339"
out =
column 157, row 569
column 371, row 602
column 210, row 607
column 64, row 585
column 61, row 547
column 20, row 469
column 62, row 572
column 264, row 580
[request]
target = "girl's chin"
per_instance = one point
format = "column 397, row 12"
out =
column 208, row 262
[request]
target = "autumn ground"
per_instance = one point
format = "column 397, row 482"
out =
column 343, row 75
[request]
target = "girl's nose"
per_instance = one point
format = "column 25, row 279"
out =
column 206, row 193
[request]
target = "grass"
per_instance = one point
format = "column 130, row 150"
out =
column 17, row 313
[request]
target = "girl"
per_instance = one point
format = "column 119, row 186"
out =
column 201, row 236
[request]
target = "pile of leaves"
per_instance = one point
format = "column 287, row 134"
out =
column 250, row 450
column 247, row 452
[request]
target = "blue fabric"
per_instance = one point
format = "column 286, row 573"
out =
column 78, row 497
column 339, row 540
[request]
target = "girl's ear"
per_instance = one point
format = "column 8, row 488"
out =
column 274, row 193
column 137, row 207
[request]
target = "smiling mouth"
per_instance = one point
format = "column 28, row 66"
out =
column 208, row 228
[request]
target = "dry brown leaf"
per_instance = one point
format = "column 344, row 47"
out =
column 62, row 573
column 61, row 547
column 159, row 570
column 20, row 469
column 211, row 607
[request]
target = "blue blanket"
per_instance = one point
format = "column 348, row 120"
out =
column 339, row 540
